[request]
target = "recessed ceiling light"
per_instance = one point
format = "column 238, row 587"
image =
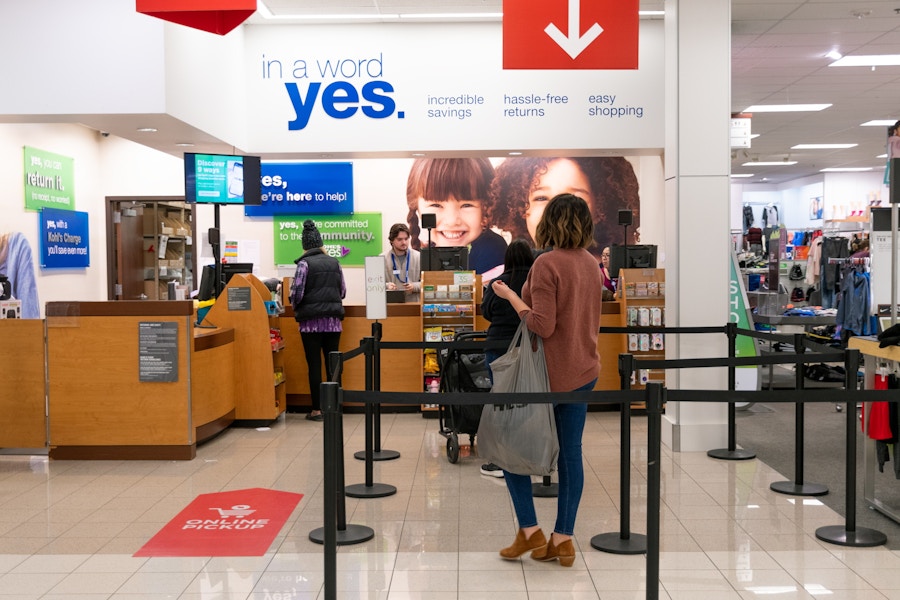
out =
column 515, row 154
column 879, row 123
column 651, row 13
column 736, row 175
column 184, row 145
column 418, row 154
column 823, row 146
column 760, row 108
column 868, row 60
column 845, row 169
column 881, row 156
column 777, row 163
column 147, row 129
column 834, row 55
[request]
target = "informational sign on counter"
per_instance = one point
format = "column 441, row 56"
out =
column 376, row 296
column 158, row 351
column 239, row 298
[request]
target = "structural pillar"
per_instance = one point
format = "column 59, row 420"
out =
column 697, row 194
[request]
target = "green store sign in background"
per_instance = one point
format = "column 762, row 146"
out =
column 348, row 238
column 49, row 180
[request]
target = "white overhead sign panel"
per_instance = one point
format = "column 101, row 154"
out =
column 438, row 88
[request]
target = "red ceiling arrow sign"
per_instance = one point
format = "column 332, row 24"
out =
column 599, row 34
column 214, row 16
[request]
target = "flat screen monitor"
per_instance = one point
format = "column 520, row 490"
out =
column 445, row 258
column 631, row 257
column 230, row 269
column 207, row 290
column 222, row 179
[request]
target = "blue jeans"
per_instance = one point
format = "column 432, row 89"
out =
column 569, row 429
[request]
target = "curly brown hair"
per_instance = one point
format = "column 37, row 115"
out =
column 614, row 186
column 437, row 179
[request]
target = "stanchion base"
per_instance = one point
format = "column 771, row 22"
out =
column 798, row 489
column 539, row 490
column 354, row 534
column 614, row 544
column 726, row 454
column 380, row 455
column 376, row 490
column 862, row 537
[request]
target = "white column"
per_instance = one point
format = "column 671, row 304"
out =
column 697, row 193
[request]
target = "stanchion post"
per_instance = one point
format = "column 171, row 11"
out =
column 369, row 489
column 622, row 542
column 330, row 410
column 798, row 487
column 848, row 534
column 334, row 447
column 655, row 393
column 731, row 452
column 374, row 360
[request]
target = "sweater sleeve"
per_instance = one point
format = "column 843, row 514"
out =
column 539, row 293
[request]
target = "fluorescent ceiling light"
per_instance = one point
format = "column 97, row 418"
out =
column 868, row 60
column 760, row 108
column 778, row 163
column 879, row 123
column 834, row 55
column 845, row 169
column 651, row 13
column 753, row 136
column 147, row 129
column 881, row 156
column 736, row 175
column 823, row 146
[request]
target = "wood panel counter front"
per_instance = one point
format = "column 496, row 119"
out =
column 118, row 391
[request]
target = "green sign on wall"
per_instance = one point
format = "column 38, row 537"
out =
column 49, row 180
column 348, row 238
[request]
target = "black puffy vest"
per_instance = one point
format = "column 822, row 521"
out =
column 322, row 294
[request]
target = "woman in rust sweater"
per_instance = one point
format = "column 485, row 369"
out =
column 561, row 303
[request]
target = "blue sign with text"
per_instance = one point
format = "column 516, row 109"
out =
column 304, row 188
column 64, row 239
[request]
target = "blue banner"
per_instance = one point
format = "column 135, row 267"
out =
column 64, row 239
column 304, row 189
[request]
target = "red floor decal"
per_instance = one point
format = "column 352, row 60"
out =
column 236, row 523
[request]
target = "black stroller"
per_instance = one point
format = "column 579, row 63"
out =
column 462, row 370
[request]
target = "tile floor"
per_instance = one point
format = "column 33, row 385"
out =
column 68, row 529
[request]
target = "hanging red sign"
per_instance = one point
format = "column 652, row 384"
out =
column 214, row 16
column 570, row 34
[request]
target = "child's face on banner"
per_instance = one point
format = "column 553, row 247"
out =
column 459, row 222
column 562, row 177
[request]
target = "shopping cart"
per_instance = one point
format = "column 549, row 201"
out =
column 462, row 370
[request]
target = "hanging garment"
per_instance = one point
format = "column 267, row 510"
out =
column 748, row 217
column 814, row 261
column 853, row 306
column 770, row 216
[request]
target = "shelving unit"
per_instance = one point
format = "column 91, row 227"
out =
column 259, row 372
column 643, row 294
column 449, row 301
column 168, row 248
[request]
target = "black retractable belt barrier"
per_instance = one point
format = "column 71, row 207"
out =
column 369, row 489
column 797, row 487
column 732, row 452
column 655, row 392
column 335, row 513
column 848, row 534
column 622, row 541
column 373, row 412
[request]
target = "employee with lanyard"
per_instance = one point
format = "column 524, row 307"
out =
column 402, row 270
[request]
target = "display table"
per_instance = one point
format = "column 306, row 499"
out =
column 133, row 380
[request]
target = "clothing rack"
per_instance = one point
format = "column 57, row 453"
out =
column 860, row 260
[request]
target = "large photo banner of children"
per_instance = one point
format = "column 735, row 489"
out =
column 484, row 205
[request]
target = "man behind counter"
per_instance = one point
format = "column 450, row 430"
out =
column 402, row 270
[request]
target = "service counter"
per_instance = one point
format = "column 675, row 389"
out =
column 135, row 380
column 22, row 391
column 401, row 370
